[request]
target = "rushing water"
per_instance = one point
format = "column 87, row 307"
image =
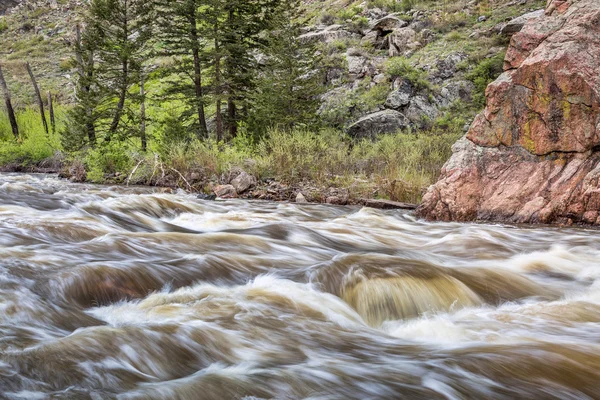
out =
column 133, row 293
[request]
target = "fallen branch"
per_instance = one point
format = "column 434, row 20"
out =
column 133, row 172
column 185, row 180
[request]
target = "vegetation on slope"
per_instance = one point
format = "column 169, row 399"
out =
column 270, row 141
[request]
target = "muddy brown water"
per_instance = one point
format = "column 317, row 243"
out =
column 130, row 293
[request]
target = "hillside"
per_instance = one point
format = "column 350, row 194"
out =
column 416, row 70
column 435, row 44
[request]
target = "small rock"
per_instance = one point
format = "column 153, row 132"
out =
column 243, row 182
column 301, row 199
column 225, row 191
column 336, row 200
column 207, row 197
column 483, row 18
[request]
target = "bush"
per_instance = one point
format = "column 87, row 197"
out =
column 400, row 67
column 33, row 146
column 485, row 73
column 3, row 25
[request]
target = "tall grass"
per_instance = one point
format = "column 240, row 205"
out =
column 33, row 145
column 397, row 167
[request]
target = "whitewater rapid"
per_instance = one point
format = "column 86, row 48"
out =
column 138, row 293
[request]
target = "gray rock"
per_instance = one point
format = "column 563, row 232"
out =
column 327, row 35
column 388, row 24
column 225, row 191
column 447, row 67
column 243, row 182
column 357, row 65
column 420, row 111
column 401, row 96
column 516, row 24
column 401, row 41
column 381, row 122
column 301, row 199
column 483, row 18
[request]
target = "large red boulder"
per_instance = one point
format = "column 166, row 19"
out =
column 533, row 155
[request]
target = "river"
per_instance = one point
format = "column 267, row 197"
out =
column 137, row 293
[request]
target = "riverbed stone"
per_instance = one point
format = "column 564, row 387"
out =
column 225, row 191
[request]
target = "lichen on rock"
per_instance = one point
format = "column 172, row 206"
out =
column 533, row 155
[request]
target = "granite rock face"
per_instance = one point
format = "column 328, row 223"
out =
column 533, row 155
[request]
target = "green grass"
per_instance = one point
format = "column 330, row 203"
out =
column 33, row 146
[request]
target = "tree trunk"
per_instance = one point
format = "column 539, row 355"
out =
column 38, row 95
column 51, row 111
column 232, row 116
column 198, row 74
column 121, row 104
column 218, row 85
column 83, row 70
column 9, row 107
column 143, row 113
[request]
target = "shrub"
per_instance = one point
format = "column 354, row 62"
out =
column 400, row 67
column 485, row 73
column 3, row 25
column 33, row 146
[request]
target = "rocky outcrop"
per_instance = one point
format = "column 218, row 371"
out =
column 387, row 121
column 6, row 4
column 533, row 155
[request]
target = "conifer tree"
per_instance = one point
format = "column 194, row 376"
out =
column 123, row 29
column 181, row 31
column 289, row 85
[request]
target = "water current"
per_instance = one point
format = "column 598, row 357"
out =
column 138, row 293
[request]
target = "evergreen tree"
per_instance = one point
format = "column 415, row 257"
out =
column 181, row 32
column 81, row 129
column 288, row 89
column 245, row 35
column 123, row 31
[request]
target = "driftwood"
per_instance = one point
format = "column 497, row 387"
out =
column 38, row 96
column 387, row 204
column 9, row 107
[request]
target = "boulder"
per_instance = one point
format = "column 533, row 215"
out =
column 402, row 40
column 300, row 199
column 421, row 111
column 533, row 155
column 328, row 35
column 516, row 24
column 388, row 24
column 447, row 67
column 243, row 182
column 387, row 121
column 225, row 191
column 401, row 96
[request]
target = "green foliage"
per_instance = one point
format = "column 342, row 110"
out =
column 34, row 145
column 3, row 25
column 388, row 5
column 485, row 73
column 108, row 159
column 400, row 67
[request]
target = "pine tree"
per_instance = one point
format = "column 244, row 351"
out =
column 81, row 129
column 124, row 30
column 288, row 88
column 181, row 32
column 245, row 34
